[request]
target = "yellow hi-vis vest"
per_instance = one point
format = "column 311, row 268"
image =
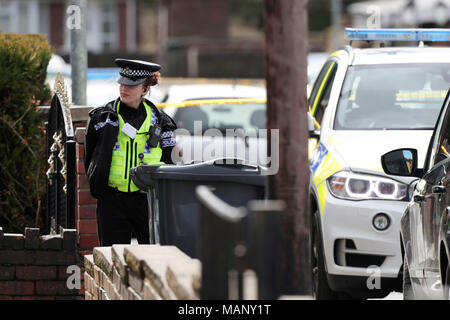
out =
column 128, row 153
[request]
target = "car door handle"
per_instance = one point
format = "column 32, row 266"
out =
column 438, row 189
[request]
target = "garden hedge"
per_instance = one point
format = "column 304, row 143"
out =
column 23, row 63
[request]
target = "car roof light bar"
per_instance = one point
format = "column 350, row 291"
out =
column 397, row 34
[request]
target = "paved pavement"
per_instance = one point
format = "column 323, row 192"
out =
column 392, row 296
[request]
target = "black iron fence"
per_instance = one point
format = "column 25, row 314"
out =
column 60, row 155
column 239, row 248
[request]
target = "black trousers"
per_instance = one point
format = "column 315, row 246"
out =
column 121, row 213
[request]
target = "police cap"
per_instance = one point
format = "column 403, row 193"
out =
column 134, row 72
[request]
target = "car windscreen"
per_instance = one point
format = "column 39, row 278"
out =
column 392, row 96
column 243, row 116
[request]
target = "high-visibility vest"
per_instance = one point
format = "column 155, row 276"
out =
column 129, row 153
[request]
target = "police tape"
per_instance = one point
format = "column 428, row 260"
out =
column 191, row 103
column 241, row 81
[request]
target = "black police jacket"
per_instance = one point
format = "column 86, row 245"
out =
column 101, row 135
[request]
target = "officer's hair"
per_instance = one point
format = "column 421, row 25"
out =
column 152, row 81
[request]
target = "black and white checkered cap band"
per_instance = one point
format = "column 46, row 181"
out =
column 130, row 73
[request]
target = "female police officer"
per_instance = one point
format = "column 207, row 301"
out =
column 120, row 135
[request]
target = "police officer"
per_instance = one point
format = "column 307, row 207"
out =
column 120, row 135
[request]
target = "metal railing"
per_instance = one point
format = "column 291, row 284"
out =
column 60, row 155
column 239, row 248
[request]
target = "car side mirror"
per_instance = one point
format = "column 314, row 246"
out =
column 313, row 131
column 400, row 162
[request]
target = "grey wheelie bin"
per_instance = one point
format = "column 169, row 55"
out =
column 174, row 211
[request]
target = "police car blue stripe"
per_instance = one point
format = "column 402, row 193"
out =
column 317, row 158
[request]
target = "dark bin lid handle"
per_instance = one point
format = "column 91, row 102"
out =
column 237, row 163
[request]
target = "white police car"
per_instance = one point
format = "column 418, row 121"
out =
column 368, row 102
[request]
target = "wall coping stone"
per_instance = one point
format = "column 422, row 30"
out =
column 184, row 278
column 69, row 238
column 13, row 241
column 89, row 264
column 50, row 242
column 31, row 238
column 117, row 253
column 153, row 272
column 150, row 261
column 103, row 259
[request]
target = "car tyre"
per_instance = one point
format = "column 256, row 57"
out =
column 321, row 289
column 446, row 285
column 408, row 293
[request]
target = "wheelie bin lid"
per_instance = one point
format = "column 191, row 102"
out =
column 231, row 170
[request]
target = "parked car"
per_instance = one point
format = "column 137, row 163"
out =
column 184, row 92
column 364, row 103
column 220, row 128
column 218, row 106
column 425, row 224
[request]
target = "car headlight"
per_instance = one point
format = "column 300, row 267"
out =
column 356, row 186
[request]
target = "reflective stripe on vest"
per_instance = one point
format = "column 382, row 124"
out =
column 129, row 153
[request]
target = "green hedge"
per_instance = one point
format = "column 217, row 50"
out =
column 23, row 64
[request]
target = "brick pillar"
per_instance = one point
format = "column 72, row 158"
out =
column 85, row 217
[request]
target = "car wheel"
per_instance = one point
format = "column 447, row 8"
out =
column 446, row 285
column 408, row 293
column 321, row 290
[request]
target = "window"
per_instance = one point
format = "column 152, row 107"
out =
column 322, row 103
column 392, row 96
column 440, row 149
column 321, row 92
column 5, row 16
column 109, row 22
column 245, row 116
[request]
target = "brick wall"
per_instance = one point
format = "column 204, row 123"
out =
column 34, row 267
column 85, row 217
column 144, row 272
